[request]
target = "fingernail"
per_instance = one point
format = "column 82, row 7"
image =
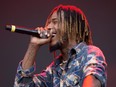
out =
column 41, row 35
column 45, row 33
column 48, row 35
column 39, row 31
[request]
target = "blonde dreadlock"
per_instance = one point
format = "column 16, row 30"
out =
column 73, row 24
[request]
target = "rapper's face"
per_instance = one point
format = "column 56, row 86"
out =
column 53, row 26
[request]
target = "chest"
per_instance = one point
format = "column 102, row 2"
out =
column 69, row 74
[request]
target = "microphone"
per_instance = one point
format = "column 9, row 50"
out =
column 22, row 30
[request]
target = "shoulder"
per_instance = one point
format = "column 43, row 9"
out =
column 94, row 50
column 88, row 49
column 94, row 54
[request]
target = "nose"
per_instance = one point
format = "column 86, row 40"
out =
column 50, row 26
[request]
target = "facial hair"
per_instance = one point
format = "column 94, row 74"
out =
column 55, row 47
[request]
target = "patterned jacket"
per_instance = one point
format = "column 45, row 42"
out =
column 83, row 60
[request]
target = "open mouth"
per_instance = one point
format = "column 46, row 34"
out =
column 53, row 34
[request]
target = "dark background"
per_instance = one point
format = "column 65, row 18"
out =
column 32, row 13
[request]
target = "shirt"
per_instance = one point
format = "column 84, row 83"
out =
column 83, row 60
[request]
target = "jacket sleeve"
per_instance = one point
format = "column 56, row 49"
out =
column 27, row 78
column 95, row 64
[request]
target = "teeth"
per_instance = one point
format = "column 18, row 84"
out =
column 53, row 35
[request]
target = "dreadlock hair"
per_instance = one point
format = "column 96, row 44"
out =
column 73, row 24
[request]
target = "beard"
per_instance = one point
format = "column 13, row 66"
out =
column 55, row 47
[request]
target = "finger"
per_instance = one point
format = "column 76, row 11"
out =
column 39, row 30
column 41, row 35
column 42, row 29
column 48, row 35
column 45, row 28
column 45, row 32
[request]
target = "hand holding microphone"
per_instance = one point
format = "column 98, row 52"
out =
column 41, row 32
column 44, row 36
column 41, row 35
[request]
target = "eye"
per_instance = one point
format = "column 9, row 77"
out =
column 55, row 21
column 48, row 22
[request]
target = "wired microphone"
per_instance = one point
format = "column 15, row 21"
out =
column 22, row 30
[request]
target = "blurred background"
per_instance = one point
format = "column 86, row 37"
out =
column 32, row 13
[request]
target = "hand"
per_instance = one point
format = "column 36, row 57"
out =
column 40, row 41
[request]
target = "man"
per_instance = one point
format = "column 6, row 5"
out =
column 80, row 64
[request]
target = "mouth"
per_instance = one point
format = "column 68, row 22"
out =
column 53, row 34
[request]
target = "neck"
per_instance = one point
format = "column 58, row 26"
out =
column 65, row 49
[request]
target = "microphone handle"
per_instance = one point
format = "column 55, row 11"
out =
column 22, row 30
